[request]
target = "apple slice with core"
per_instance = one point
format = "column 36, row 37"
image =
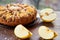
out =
column 47, row 15
column 46, row 33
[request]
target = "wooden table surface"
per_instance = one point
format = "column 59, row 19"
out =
column 7, row 33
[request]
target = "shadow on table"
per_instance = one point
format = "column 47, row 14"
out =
column 48, row 24
column 6, row 27
column 45, row 39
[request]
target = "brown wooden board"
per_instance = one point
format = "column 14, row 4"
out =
column 7, row 33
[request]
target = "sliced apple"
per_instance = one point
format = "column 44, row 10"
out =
column 47, row 15
column 21, row 32
column 46, row 33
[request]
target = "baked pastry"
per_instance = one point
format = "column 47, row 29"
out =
column 14, row 14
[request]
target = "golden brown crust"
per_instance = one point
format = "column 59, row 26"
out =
column 14, row 14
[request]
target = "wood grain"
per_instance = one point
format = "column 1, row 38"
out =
column 7, row 33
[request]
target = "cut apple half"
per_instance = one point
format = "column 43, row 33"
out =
column 46, row 33
column 47, row 15
column 22, row 32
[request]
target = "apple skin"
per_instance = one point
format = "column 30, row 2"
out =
column 46, row 33
column 47, row 15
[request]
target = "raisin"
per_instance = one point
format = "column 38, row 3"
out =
column 0, row 15
column 29, row 14
column 25, row 9
column 32, row 18
column 10, row 20
column 4, row 17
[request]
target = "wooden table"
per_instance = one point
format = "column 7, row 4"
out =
column 7, row 33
